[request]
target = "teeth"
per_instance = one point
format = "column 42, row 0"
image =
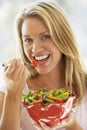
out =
column 41, row 57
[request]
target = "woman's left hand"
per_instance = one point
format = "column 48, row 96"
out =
column 62, row 124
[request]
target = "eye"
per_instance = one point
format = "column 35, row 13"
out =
column 46, row 37
column 27, row 40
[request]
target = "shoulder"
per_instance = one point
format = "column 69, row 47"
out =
column 2, row 86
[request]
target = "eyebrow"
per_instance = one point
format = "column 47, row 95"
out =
column 44, row 32
column 39, row 34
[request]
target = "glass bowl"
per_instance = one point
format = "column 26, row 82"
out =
column 52, row 113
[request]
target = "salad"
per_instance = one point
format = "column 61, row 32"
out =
column 46, row 97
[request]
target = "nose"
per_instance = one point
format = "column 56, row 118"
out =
column 37, row 46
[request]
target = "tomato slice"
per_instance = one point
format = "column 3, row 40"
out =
column 34, row 62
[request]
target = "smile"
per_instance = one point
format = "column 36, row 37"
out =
column 39, row 58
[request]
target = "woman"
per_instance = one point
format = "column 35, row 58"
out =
column 45, row 35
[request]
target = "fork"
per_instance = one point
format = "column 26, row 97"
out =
column 25, row 63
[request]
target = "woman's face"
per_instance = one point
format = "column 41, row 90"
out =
column 38, row 44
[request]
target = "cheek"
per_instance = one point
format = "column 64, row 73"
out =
column 26, row 49
column 27, row 52
column 57, row 54
column 58, row 57
column 53, row 50
column 52, row 47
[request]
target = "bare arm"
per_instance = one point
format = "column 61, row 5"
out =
column 10, row 117
column 15, row 78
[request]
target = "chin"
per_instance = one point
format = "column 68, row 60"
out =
column 43, row 71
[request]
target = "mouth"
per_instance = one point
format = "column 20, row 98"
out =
column 41, row 58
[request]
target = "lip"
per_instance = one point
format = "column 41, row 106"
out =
column 43, row 61
column 41, row 57
column 39, row 54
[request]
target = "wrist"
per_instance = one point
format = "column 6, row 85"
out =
column 10, row 96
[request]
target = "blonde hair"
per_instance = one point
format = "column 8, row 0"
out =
column 60, row 30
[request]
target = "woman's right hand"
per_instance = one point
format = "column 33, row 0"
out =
column 15, row 77
column 69, row 123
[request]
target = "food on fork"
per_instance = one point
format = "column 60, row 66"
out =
column 34, row 62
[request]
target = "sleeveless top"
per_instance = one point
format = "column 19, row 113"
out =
column 80, row 113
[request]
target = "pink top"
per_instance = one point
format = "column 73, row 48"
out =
column 80, row 113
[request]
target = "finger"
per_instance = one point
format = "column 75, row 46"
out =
column 10, row 68
column 23, row 72
column 64, row 122
column 18, row 68
column 44, row 126
column 5, row 68
column 7, row 64
column 36, row 125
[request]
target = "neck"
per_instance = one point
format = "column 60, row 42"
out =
column 53, row 79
